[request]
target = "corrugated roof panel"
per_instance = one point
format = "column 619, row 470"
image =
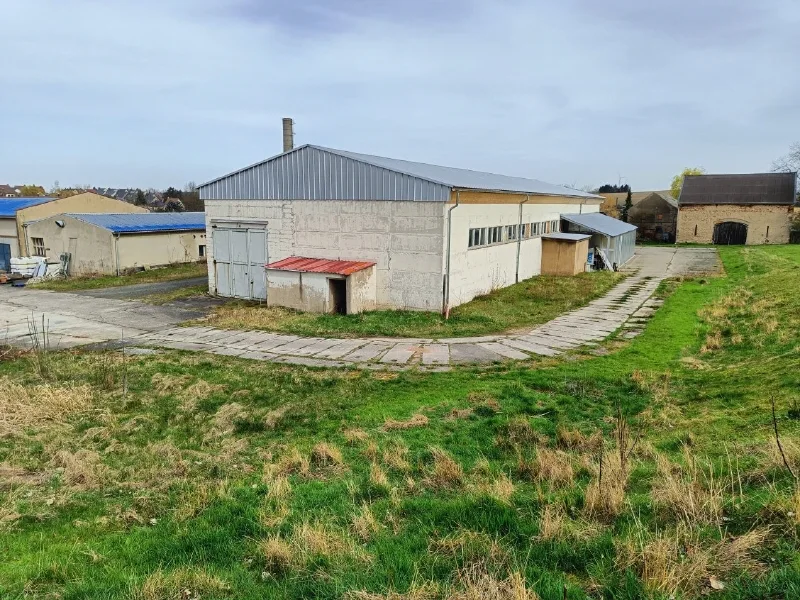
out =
column 320, row 265
column 600, row 223
column 10, row 206
column 144, row 222
column 317, row 173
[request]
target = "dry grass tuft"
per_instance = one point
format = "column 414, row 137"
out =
column 370, row 451
column 501, row 488
column 459, row 413
column 365, row 524
column 200, row 390
column 83, row 469
column 476, row 583
column 425, row 591
column 165, row 384
column 377, row 476
column 355, row 436
column 445, row 473
column 291, row 462
column 395, row 456
column 604, row 498
column 22, row 407
column 551, row 466
column 689, row 492
column 470, row 547
column 518, row 434
column 199, row 498
column 573, row 439
column 276, row 415
column 319, row 540
column 181, row 584
column 678, row 562
column 277, row 554
column 326, row 455
column 552, row 522
column 225, row 419
column 417, row 420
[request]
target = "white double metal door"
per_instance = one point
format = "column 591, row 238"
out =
column 240, row 255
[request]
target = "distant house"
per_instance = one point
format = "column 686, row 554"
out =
column 615, row 201
column 152, row 199
column 656, row 216
column 736, row 209
column 16, row 213
column 19, row 191
column 112, row 243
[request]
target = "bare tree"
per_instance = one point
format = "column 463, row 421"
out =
column 789, row 162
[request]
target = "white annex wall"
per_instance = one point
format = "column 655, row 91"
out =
column 404, row 239
column 479, row 270
column 8, row 235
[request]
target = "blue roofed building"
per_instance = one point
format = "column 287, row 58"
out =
column 17, row 213
column 113, row 243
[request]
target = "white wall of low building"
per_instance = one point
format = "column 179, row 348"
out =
column 92, row 247
column 479, row 270
column 404, row 239
column 159, row 248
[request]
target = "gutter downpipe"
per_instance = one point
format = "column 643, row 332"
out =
column 446, row 299
column 116, row 250
column 25, row 239
column 519, row 236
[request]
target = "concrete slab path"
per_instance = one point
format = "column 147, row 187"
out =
column 75, row 320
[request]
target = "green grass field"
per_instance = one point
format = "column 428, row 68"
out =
column 651, row 472
column 525, row 304
column 171, row 273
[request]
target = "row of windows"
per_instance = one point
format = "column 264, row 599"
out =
column 484, row 236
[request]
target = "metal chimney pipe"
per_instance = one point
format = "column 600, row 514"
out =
column 288, row 134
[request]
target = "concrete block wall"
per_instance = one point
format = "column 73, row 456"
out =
column 404, row 239
column 703, row 218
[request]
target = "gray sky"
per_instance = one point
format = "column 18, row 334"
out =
column 155, row 93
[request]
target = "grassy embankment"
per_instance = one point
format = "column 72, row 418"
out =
column 525, row 304
column 171, row 273
column 649, row 472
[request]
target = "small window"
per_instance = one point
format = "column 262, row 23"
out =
column 495, row 235
column 547, row 227
column 477, row 237
column 511, row 232
column 38, row 246
column 554, row 228
column 525, row 233
column 202, row 250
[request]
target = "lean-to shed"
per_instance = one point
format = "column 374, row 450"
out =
column 614, row 239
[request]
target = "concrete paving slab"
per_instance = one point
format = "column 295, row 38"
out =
column 225, row 351
column 472, row 353
column 341, row 348
column 316, row 347
column 400, row 353
column 470, row 340
column 273, row 342
column 251, row 355
column 193, row 346
column 306, row 361
column 367, row 353
column 531, row 347
column 503, row 350
column 293, row 347
column 436, row 354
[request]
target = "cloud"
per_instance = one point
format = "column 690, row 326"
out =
column 162, row 92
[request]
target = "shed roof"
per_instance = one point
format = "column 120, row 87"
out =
column 144, row 222
column 741, row 189
column 600, row 223
column 10, row 206
column 317, row 173
column 320, row 265
column 566, row 237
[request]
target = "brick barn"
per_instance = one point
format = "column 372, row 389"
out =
column 736, row 209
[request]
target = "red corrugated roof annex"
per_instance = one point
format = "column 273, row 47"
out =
column 320, row 265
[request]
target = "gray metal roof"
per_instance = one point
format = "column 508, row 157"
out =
column 567, row 237
column 600, row 223
column 317, row 173
column 144, row 222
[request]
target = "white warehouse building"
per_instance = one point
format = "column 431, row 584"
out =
column 425, row 237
